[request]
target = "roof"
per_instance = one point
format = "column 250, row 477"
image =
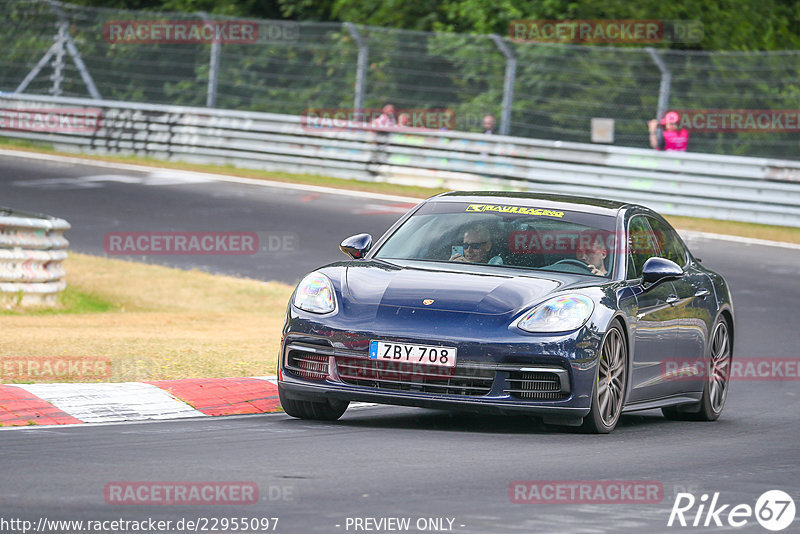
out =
column 562, row 202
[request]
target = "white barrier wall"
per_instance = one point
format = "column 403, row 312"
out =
column 737, row 188
column 32, row 249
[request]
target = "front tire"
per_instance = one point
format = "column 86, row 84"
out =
column 321, row 409
column 608, row 392
column 715, row 389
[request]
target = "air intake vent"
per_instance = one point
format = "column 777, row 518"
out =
column 412, row 377
column 307, row 365
column 535, row 386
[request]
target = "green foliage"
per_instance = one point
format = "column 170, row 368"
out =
column 437, row 54
column 728, row 24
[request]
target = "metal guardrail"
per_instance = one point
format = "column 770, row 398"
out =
column 737, row 188
column 32, row 247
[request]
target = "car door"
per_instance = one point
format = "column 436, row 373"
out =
column 654, row 329
column 694, row 308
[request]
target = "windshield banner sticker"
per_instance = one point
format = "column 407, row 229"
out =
column 515, row 209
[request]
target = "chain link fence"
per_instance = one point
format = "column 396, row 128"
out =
column 551, row 91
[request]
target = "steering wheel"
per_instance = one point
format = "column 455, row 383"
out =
column 577, row 263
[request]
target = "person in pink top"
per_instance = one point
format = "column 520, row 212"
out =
column 386, row 118
column 671, row 138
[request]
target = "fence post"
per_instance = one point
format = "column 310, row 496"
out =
column 666, row 81
column 213, row 68
column 361, row 68
column 508, row 83
column 73, row 52
column 58, row 61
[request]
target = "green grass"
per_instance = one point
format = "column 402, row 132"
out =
column 71, row 301
column 75, row 301
column 23, row 143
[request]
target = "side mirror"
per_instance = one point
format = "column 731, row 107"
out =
column 356, row 246
column 658, row 269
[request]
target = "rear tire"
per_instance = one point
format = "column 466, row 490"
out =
column 320, row 410
column 608, row 392
column 715, row 389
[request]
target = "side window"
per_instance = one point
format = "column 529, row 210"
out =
column 668, row 241
column 641, row 246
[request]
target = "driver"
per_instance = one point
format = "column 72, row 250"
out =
column 476, row 247
column 593, row 254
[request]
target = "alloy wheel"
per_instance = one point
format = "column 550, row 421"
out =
column 611, row 377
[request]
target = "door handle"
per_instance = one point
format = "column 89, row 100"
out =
column 672, row 299
column 702, row 293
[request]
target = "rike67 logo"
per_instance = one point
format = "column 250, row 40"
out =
column 774, row 510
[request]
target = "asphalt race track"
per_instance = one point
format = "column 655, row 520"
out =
column 382, row 462
column 98, row 200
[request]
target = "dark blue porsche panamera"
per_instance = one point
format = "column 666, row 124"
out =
column 570, row 309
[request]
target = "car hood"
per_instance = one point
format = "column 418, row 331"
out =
column 382, row 284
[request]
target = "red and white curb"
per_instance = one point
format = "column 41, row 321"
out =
column 64, row 404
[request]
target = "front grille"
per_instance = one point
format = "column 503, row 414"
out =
column 535, row 385
column 307, row 365
column 399, row 376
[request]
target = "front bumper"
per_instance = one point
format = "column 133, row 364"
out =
column 504, row 373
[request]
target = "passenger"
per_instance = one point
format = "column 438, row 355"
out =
column 593, row 253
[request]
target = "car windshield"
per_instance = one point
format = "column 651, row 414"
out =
column 507, row 235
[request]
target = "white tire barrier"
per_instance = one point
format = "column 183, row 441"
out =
column 32, row 249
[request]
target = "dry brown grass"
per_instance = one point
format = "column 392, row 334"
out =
column 162, row 323
column 758, row 231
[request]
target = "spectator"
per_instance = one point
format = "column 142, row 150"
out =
column 670, row 138
column 386, row 118
column 488, row 124
column 403, row 120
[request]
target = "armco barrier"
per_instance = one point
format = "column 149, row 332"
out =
column 32, row 247
column 700, row 185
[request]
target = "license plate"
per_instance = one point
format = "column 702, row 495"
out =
column 417, row 354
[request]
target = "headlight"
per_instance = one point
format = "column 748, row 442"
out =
column 315, row 294
column 558, row 314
